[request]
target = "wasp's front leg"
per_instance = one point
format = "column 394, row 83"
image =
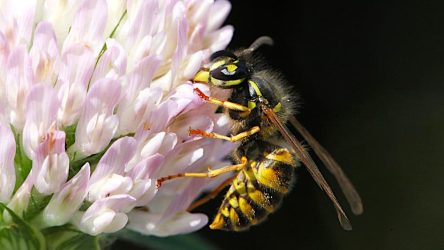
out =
column 226, row 104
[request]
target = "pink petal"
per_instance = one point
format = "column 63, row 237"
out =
column 219, row 39
column 97, row 124
column 112, row 64
column 160, row 143
column 18, row 82
column 193, row 65
column 113, row 184
column 106, row 215
column 136, row 93
column 7, row 169
column 144, row 191
column 22, row 12
column 201, row 9
column 218, row 13
column 61, row 15
column 53, row 163
column 142, row 20
column 115, row 159
column 144, row 169
column 193, row 119
column 182, row 39
column 41, row 113
column 148, row 224
column 45, row 53
column 76, row 70
column 65, row 203
column 83, row 31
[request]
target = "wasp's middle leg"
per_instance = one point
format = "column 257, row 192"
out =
column 210, row 174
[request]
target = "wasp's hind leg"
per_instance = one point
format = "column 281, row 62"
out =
column 210, row 174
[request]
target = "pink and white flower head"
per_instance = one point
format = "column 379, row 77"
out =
column 95, row 105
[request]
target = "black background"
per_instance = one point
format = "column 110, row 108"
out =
column 371, row 78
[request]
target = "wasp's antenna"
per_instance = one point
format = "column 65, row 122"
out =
column 263, row 40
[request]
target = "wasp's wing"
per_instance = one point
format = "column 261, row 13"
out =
column 305, row 158
column 347, row 187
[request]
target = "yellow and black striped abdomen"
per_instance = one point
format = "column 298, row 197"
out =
column 256, row 192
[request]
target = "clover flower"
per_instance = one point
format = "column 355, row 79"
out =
column 96, row 103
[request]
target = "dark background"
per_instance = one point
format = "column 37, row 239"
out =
column 371, row 78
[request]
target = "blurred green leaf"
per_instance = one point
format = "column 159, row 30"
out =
column 188, row 241
column 66, row 238
column 36, row 204
column 16, row 234
column 70, row 133
column 21, row 161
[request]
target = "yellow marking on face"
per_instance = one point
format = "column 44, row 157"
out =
column 217, row 64
column 282, row 155
column 251, row 104
column 218, row 222
column 218, row 82
column 259, row 198
column 255, row 87
column 246, row 209
column 202, row 76
column 277, row 108
column 231, row 67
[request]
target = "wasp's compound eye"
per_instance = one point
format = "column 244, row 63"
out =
column 229, row 72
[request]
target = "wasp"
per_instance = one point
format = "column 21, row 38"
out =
column 260, row 106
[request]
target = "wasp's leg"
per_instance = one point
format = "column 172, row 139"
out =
column 211, row 195
column 232, row 138
column 225, row 104
column 210, row 174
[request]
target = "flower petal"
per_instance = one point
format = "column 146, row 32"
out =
column 145, row 223
column 112, row 64
column 218, row 13
column 75, row 72
column 114, row 160
column 53, row 161
column 61, row 15
column 97, row 124
column 41, row 106
column 106, row 215
column 18, row 82
column 7, row 170
column 45, row 54
column 83, row 31
column 65, row 203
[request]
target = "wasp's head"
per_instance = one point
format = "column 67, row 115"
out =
column 226, row 70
